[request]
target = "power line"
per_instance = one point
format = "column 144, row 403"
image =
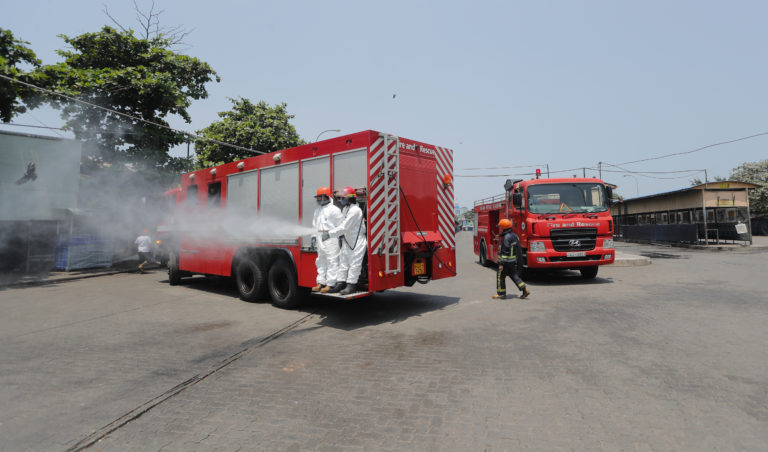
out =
column 609, row 164
column 502, row 167
column 16, row 124
column 136, row 118
column 697, row 149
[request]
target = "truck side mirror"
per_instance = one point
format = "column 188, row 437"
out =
column 609, row 194
column 517, row 200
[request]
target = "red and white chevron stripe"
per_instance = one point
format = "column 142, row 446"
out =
column 376, row 176
column 445, row 197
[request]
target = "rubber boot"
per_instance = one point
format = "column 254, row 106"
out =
column 317, row 288
column 526, row 292
column 499, row 296
column 351, row 288
column 338, row 287
column 141, row 267
column 325, row 289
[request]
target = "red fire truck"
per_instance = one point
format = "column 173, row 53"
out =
column 562, row 223
column 251, row 219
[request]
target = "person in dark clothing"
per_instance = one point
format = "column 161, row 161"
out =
column 509, row 251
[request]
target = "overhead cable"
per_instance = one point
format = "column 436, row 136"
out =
column 136, row 118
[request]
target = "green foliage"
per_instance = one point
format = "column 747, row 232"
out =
column 755, row 173
column 254, row 126
column 137, row 77
column 698, row 181
column 15, row 98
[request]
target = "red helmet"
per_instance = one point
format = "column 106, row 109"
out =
column 348, row 192
column 323, row 191
column 505, row 224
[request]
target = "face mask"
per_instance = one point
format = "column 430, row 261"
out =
column 319, row 201
column 343, row 201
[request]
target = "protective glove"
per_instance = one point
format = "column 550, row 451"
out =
column 325, row 236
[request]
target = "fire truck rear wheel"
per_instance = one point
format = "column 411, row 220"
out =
column 250, row 280
column 588, row 272
column 174, row 275
column 483, row 255
column 283, row 285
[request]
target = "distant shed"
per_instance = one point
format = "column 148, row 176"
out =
column 706, row 213
column 39, row 183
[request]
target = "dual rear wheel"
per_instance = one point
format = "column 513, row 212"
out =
column 255, row 280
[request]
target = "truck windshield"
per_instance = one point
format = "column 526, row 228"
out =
column 566, row 198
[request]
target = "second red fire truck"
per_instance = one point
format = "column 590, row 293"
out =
column 562, row 223
column 251, row 219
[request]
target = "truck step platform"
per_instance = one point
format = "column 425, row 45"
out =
column 351, row 296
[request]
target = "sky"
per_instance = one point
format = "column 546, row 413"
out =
column 572, row 86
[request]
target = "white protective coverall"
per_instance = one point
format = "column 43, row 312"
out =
column 353, row 230
column 326, row 217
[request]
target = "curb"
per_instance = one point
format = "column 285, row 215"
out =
column 630, row 260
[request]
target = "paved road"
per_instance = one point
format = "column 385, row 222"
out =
column 669, row 356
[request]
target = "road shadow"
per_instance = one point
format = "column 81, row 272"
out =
column 563, row 278
column 211, row 284
column 554, row 278
column 376, row 309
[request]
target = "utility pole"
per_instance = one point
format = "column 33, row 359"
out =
column 600, row 169
column 547, row 170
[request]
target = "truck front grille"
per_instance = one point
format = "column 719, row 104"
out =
column 573, row 239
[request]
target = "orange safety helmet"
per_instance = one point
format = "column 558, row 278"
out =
column 348, row 192
column 323, row 191
column 505, row 224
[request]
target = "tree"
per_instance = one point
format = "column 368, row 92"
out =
column 150, row 28
column 755, row 173
column 698, row 181
column 132, row 77
column 14, row 97
column 254, row 126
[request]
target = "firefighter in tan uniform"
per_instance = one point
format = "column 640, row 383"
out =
column 509, row 251
column 327, row 216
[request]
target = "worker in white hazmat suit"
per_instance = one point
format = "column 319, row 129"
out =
column 327, row 216
column 353, row 242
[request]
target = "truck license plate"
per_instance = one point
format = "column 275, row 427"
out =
column 419, row 268
column 576, row 253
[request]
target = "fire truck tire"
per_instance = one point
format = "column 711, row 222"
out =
column 483, row 255
column 589, row 272
column 249, row 277
column 283, row 285
column 174, row 275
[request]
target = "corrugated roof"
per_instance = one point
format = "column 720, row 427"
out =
column 709, row 185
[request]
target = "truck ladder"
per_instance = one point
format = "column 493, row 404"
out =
column 391, row 239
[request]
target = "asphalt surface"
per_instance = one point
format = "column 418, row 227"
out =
column 666, row 356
